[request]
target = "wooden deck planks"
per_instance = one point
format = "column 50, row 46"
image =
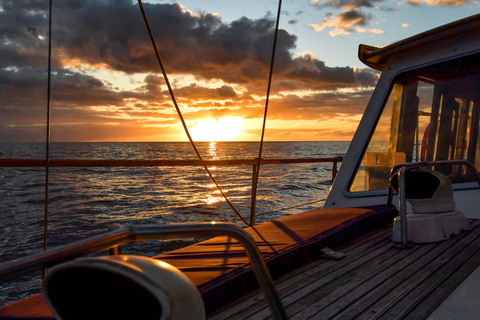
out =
column 290, row 282
column 405, row 277
column 433, row 300
column 427, row 280
column 366, row 279
column 322, row 280
column 325, row 279
column 301, row 282
column 375, row 280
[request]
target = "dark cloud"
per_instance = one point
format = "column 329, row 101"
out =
column 351, row 20
column 321, row 106
column 195, row 91
column 313, row 73
column 23, row 87
column 354, row 17
column 27, row 87
column 226, row 92
column 346, row 4
column 196, row 44
column 111, row 35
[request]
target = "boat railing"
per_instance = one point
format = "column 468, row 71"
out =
column 123, row 235
column 113, row 239
column 170, row 163
column 400, row 170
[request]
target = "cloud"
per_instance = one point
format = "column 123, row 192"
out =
column 228, row 62
column 352, row 20
column 196, row 44
column 376, row 31
column 317, row 75
column 446, row 3
column 114, row 37
column 345, row 4
column 355, row 17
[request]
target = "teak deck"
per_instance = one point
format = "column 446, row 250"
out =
column 375, row 280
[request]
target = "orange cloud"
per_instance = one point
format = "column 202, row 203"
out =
column 217, row 70
column 448, row 3
column 351, row 20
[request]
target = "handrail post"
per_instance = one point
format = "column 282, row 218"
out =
column 116, row 249
column 334, row 170
column 253, row 202
column 403, row 208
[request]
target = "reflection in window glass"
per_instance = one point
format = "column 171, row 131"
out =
column 430, row 114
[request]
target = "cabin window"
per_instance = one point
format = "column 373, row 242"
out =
column 430, row 114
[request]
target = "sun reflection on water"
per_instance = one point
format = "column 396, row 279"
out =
column 85, row 202
column 212, row 200
column 212, row 150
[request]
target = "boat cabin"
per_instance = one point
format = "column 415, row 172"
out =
column 425, row 107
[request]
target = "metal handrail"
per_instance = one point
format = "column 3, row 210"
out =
column 153, row 162
column 163, row 163
column 400, row 170
column 123, row 235
column 169, row 163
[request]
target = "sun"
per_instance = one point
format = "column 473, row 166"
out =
column 216, row 129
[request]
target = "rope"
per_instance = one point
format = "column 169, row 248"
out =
column 257, row 166
column 47, row 153
column 170, row 90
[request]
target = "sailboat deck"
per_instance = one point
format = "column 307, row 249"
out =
column 374, row 280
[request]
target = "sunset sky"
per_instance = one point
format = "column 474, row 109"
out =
column 107, row 85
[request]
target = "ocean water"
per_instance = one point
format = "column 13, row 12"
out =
column 86, row 201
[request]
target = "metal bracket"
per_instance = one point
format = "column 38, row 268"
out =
column 331, row 254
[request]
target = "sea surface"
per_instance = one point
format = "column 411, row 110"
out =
column 83, row 202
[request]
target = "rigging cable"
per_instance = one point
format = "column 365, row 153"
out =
column 256, row 168
column 159, row 60
column 47, row 152
column 47, row 147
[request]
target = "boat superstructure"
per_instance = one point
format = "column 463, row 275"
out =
column 417, row 144
column 422, row 109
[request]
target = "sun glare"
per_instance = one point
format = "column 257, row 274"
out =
column 216, row 129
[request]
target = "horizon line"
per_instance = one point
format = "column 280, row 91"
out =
column 242, row 141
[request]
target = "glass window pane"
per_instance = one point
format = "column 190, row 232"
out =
column 430, row 114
